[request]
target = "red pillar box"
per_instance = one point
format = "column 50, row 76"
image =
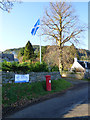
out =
column 48, row 82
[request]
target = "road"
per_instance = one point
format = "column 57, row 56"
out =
column 66, row 105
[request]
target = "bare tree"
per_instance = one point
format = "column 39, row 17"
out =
column 61, row 25
column 6, row 5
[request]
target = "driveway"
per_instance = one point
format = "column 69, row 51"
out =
column 75, row 81
column 60, row 106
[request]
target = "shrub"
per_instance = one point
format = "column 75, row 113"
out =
column 13, row 66
column 26, row 67
column 54, row 68
column 22, row 67
column 41, row 67
column 6, row 66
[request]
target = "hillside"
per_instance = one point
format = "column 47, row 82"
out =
column 50, row 54
column 83, row 54
column 15, row 51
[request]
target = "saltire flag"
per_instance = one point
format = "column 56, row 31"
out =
column 35, row 28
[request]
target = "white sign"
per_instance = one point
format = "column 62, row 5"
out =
column 21, row 78
column 49, row 81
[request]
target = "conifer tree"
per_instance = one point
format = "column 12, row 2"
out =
column 28, row 51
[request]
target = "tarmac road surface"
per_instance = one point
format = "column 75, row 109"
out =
column 62, row 106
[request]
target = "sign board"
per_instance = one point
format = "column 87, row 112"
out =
column 21, row 78
column 49, row 81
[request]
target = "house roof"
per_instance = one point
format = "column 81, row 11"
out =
column 9, row 57
column 82, row 63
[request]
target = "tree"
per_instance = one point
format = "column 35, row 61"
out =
column 28, row 51
column 51, row 56
column 21, row 52
column 61, row 25
column 43, row 51
column 6, row 5
column 69, row 53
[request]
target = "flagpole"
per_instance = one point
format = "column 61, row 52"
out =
column 40, row 49
column 33, row 32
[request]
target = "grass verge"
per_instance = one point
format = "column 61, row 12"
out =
column 85, row 79
column 18, row 93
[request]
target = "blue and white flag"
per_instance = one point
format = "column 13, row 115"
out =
column 35, row 28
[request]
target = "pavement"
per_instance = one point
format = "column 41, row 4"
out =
column 75, row 81
column 73, row 103
column 81, row 110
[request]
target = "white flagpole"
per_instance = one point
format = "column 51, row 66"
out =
column 40, row 49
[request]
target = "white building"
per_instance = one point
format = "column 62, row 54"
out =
column 80, row 66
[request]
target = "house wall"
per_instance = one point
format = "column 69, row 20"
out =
column 33, row 76
column 77, row 66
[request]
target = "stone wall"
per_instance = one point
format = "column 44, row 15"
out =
column 33, row 76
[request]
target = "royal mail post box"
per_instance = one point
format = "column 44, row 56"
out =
column 48, row 82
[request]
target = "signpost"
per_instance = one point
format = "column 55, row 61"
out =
column 21, row 78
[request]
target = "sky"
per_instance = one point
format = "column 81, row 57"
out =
column 16, row 26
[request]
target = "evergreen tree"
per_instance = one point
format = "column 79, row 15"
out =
column 28, row 51
column 21, row 52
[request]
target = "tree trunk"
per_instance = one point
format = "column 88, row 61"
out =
column 60, row 61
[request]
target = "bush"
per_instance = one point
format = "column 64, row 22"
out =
column 13, row 66
column 54, row 68
column 6, row 66
column 41, row 67
column 24, row 67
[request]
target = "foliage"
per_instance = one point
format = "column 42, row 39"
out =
column 0, row 66
column 6, row 66
column 6, row 5
column 81, row 54
column 41, row 67
column 28, row 51
column 54, row 68
column 52, row 56
column 24, row 67
column 16, row 94
column 43, row 51
column 21, row 52
column 69, row 53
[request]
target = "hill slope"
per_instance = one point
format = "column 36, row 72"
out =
column 50, row 54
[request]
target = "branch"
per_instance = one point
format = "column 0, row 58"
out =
column 73, row 34
column 6, row 5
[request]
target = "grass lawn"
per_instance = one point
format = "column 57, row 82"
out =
column 86, row 79
column 20, row 92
